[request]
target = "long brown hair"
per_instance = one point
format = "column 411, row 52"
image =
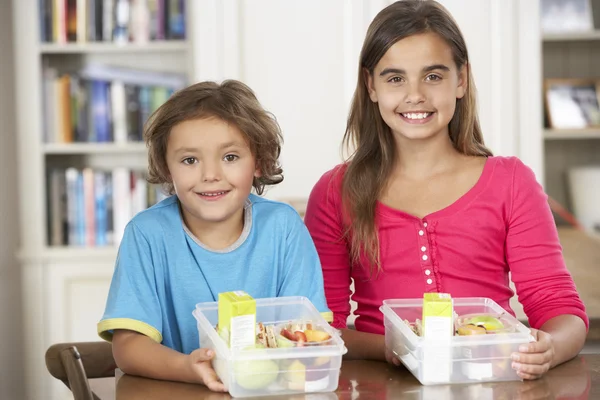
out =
column 374, row 153
column 231, row 101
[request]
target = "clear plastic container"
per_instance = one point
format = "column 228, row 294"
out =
column 461, row 359
column 274, row 371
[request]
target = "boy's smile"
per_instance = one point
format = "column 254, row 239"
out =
column 212, row 169
column 213, row 195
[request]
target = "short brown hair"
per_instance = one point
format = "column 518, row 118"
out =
column 231, row 101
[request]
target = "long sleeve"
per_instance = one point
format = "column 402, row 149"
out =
column 324, row 222
column 544, row 286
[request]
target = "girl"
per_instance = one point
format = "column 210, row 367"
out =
column 422, row 206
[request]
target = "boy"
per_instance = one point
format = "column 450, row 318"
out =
column 209, row 144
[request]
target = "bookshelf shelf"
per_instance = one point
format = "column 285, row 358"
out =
column 93, row 148
column 571, row 134
column 110, row 47
column 71, row 254
column 569, row 37
column 81, row 107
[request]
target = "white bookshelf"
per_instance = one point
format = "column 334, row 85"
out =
column 571, row 134
column 570, row 55
column 72, row 254
column 64, row 287
column 102, row 47
column 93, row 148
column 572, row 37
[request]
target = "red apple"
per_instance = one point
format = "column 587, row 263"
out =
column 287, row 334
column 300, row 337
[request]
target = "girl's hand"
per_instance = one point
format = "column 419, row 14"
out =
column 199, row 362
column 391, row 358
column 534, row 359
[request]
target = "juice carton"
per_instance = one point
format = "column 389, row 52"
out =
column 438, row 329
column 237, row 318
column 438, row 316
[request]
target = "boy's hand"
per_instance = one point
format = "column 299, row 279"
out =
column 201, row 368
column 534, row 359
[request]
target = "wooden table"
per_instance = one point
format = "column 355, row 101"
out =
column 577, row 379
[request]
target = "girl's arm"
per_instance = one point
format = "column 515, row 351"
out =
column 365, row 346
column 568, row 334
column 137, row 354
column 323, row 221
column 544, row 286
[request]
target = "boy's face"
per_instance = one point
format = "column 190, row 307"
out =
column 416, row 84
column 212, row 169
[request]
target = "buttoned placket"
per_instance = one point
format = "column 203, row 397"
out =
column 425, row 257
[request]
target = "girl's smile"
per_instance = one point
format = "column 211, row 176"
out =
column 417, row 117
column 416, row 85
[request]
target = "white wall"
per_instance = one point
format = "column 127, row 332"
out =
column 296, row 66
column 301, row 58
column 11, row 368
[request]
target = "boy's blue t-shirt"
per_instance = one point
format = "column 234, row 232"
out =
column 163, row 271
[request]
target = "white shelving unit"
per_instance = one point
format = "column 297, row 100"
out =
column 572, row 37
column 107, row 47
column 93, row 148
column 570, row 55
column 571, row 134
column 64, row 288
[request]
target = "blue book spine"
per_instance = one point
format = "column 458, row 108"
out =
column 100, row 104
column 100, row 205
column 80, row 219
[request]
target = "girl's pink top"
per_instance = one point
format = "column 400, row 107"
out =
column 503, row 224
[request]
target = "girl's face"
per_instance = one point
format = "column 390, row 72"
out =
column 212, row 169
column 416, row 84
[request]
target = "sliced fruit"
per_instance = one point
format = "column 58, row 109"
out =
column 283, row 342
column 287, row 334
column 488, row 322
column 469, row 330
column 296, row 372
column 300, row 337
column 316, row 335
column 321, row 361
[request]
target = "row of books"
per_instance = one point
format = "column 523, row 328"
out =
column 89, row 207
column 120, row 21
column 101, row 107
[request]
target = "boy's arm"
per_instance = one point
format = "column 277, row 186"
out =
column 137, row 354
column 133, row 319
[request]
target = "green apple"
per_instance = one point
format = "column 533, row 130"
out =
column 283, row 342
column 488, row 322
column 255, row 374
